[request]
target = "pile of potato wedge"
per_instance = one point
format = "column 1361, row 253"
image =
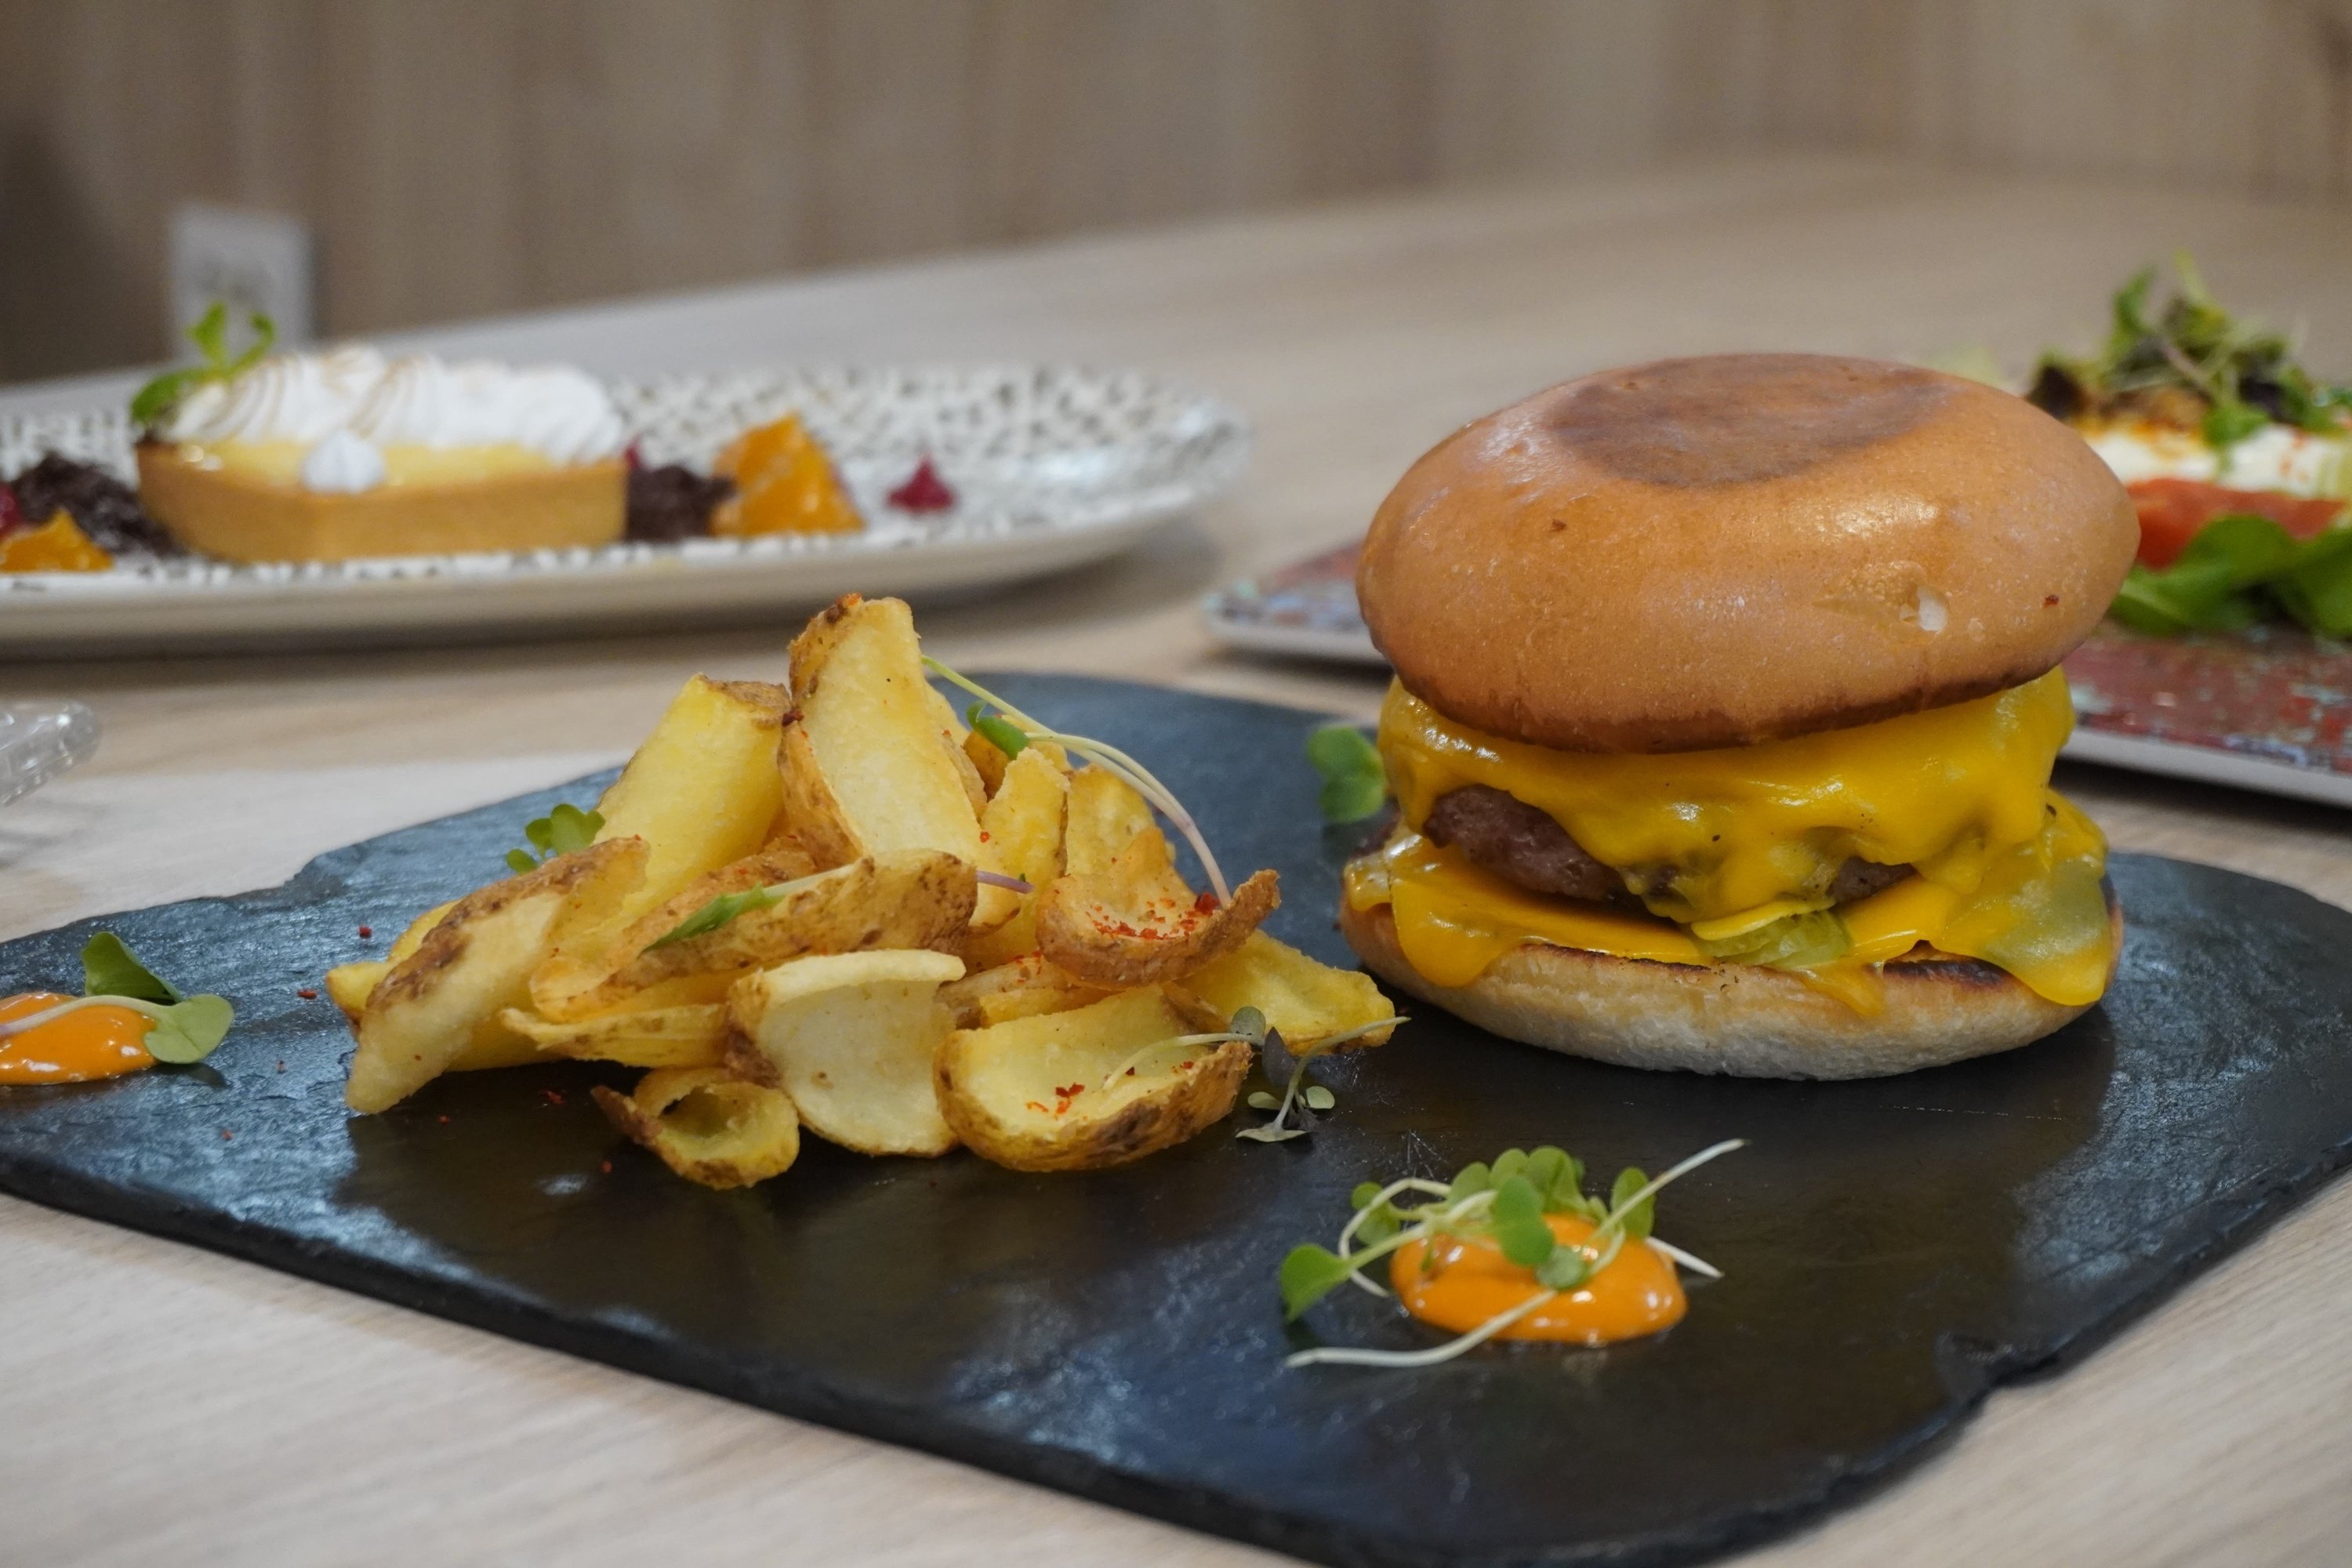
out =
column 883, row 993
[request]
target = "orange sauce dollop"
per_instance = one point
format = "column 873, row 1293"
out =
column 95, row 1042
column 1470, row 1282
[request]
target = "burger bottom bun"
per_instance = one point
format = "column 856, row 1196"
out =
column 1745, row 1021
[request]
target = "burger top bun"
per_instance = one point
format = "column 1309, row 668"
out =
column 1712, row 552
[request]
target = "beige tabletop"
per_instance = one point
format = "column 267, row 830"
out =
column 165, row 1404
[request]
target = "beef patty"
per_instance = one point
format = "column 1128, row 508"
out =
column 1526, row 846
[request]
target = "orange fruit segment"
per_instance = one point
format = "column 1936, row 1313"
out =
column 58, row 545
column 784, row 484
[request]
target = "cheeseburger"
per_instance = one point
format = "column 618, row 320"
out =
column 1725, row 700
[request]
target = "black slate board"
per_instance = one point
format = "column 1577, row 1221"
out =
column 1893, row 1248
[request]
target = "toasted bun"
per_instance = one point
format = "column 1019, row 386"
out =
column 1743, row 1021
column 1711, row 551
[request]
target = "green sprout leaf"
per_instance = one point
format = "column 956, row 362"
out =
column 186, row 1028
column 1559, row 1177
column 1379, row 1220
column 1565, row 1270
column 1474, row 1177
column 997, row 730
column 153, row 403
column 1250, row 1024
column 1638, row 1219
column 108, row 969
column 562, row 831
column 1265, row 1100
column 1318, row 1098
column 1355, row 787
column 2227, row 424
column 717, row 912
column 1309, row 1274
column 1518, row 1217
column 191, row 1030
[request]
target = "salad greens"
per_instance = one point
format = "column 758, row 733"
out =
column 2234, row 571
column 2189, row 362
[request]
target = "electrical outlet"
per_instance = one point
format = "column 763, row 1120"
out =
column 254, row 260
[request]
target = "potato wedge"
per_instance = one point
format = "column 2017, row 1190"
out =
column 349, row 984
column 911, row 899
column 703, row 789
column 694, row 1036
column 850, row 1036
column 877, row 754
column 708, row 1127
column 811, row 819
column 1106, row 814
column 1024, row 988
column 1021, row 836
column 987, row 760
column 1121, row 928
column 1029, row 1094
column 1303, row 1000
column 475, row 964
column 410, row 940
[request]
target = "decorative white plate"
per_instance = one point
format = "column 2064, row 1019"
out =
column 1052, row 467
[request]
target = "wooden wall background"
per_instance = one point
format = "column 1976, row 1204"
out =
column 458, row 157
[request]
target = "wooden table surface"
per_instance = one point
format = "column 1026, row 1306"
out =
column 165, row 1404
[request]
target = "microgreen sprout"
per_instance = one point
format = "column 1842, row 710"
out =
column 725, row 908
column 560, row 832
column 1248, row 1024
column 1506, row 1204
column 1298, row 1096
column 154, row 402
column 186, row 1028
column 1355, row 787
column 1107, row 757
column 2189, row 356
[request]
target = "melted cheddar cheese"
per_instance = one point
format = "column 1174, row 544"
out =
column 1721, row 843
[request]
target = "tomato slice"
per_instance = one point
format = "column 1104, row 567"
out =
column 2172, row 511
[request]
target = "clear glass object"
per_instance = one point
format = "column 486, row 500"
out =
column 38, row 741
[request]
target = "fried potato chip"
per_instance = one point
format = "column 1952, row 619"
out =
column 877, row 762
column 706, row 1126
column 703, row 789
column 915, row 898
column 1136, row 923
column 1024, row 988
column 694, row 1036
column 1302, row 999
column 1021, row 836
column 850, row 1038
column 473, row 964
column 1031, row 1093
